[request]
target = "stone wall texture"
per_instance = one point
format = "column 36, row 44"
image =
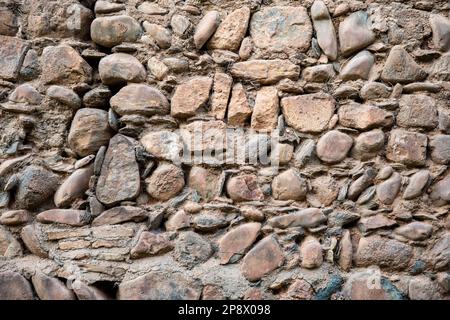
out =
column 339, row 108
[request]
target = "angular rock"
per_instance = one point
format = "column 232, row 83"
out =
column 406, row 147
column 262, row 259
column 163, row 145
column 244, row 188
column 150, row 244
column 265, row 111
column 119, row 168
column 110, row 31
column 282, row 153
column 221, row 93
column 324, row 189
column 9, row 246
column 157, row 68
column 65, row 96
column 238, row 108
column 440, row 149
column 161, row 35
column 25, row 93
column 89, row 131
column 192, row 249
column 368, row 144
column 159, row 285
column 231, row 30
column 35, row 187
column 325, row 33
column 63, row 65
column 378, row 221
column 120, row 68
column 345, row 251
column 73, row 187
column 265, row 71
column 417, row 184
column 206, row 28
column 120, row 214
column 319, row 73
column 358, row 67
column 236, row 242
column 440, row 253
column 385, row 253
column 289, row 185
column 13, row 286
column 49, row 288
column 165, row 182
column 355, row 33
column 333, row 146
column 97, row 97
column 311, row 253
column 400, row 67
column 139, row 99
column 375, row 90
column 308, row 218
column 441, row 190
column 308, row 113
column 417, row 111
column 205, row 182
column 12, row 54
column 208, row 223
column 416, row 231
column 14, row 217
column 190, row 96
column 387, row 190
column 364, row 116
column 71, row 217
column 281, row 29
column 440, row 26
column 204, row 136
column 31, row 241
column 179, row 220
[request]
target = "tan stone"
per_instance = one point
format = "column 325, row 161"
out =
column 265, row 111
column 231, row 30
column 235, row 243
column 364, row 116
column 206, row 28
column 311, row 253
column 120, row 68
column 308, row 113
column 265, row 71
column 221, row 93
column 70, row 217
column 31, row 241
column 309, row 218
column 109, row 31
column 289, row 185
column 238, row 108
column 120, row 214
column 165, row 182
column 333, row 146
column 12, row 53
column 407, row 147
column 150, row 244
column 190, row 96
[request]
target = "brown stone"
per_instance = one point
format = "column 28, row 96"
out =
column 417, row 110
column 387, row 190
column 120, row 214
column 206, row 28
column 333, row 146
column 309, row 218
column 14, row 217
column 244, row 188
column 368, row 144
column 385, row 253
column 417, row 184
column 364, row 117
column 73, row 187
column 76, row 218
column 407, row 147
column 415, row 231
column 238, row 108
column 440, row 253
column 160, row 35
column 231, row 30
column 177, row 221
column 265, row 111
column 165, row 182
column 87, row 292
column 262, row 259
column 205, row 182
column 89, row 131
column 221, row 93
column 65, row 96
column 293, row 30
column 440, row 26
column 150, row 244
column 368, row 285
column 355, row 33
column 440, row 149
column 201, row 136
column 63, row 65
column 325, row 33
column 49, row 288
column 400, row 67
column 308, row 113
column 119, row 168
column 378, row 221
column 113, row 30
column 25, row 93
column 31, row 241
column 319, row 73
column 311, row 253
column 265, row 71
column 9, row 246
column 345, row 251
column 289, row 185
column 235, row 243
column 190, row 96
column 159, row 285
column 324, row 190
column 358, row 67
column 120, row 68
column 441, row 190
column 299, row 290
column 13, row 286
column 139, row 99
column 12, row 54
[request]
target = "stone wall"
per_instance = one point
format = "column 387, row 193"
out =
column 320, row 170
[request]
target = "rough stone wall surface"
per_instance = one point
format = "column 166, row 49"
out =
column 340, row 111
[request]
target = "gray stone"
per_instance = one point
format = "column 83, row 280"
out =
column 120, row 68
column 192, row 249
column 110, row 31
column 440, row 149
column 231, row 30
column 325, row 33
column 358, row 67
column 417, row 110
column 206, row 28
column 355, row 33
column 12, row 54
column 441, row 32
column 417, row 184
column 400, row 67
column 387, row 190
column 407, row 147
column 333, row 146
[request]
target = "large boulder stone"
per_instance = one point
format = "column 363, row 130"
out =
column 265, row 71
column 407, row 147
column 231, row 30
column 118, row 68
column 139, row 99
column 110, row 31
column 89, row 131
column 364, row 116
column 281, row 29
column 63, row 65
column 206, row 28
column 190, row 96
column 333, row 146
column 308, row 113
column 119, row 168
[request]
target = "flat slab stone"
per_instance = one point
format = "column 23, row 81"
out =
column 12, row 54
